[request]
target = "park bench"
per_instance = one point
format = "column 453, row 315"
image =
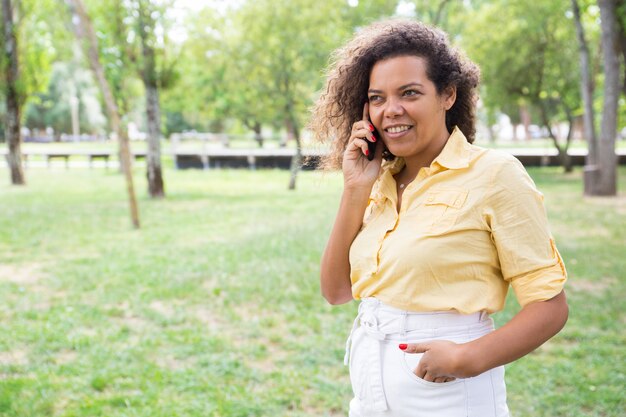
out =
column 99, row 155
column 58, row 155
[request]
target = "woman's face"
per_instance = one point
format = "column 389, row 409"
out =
column 405, row 108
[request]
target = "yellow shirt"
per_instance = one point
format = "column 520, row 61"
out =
column 469, row 225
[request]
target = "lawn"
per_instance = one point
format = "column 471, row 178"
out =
column 213, row 307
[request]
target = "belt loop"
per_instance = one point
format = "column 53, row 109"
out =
column 403, row 324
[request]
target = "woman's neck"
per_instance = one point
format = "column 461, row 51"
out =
column 414, row 163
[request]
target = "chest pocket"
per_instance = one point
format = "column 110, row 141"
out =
column 442, row 208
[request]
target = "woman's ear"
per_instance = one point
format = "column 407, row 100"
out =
column 449, row 97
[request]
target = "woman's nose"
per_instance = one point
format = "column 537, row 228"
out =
column 394, row 108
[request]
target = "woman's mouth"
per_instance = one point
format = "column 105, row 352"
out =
column 396, row 131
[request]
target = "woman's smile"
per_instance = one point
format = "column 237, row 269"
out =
column 397, row 131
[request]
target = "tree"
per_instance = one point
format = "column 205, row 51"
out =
column 621, row 22
column 146, row 24
column 586, row 88
column 602, row 180
column 85, row 33
column 52, row 108
column 199, row 100
column 25, row 63
column 12, row 92
column 528, row 61
column 449, row 15
column 253, row 62
column 131, row 49
column 240, row 58
column 284, row 45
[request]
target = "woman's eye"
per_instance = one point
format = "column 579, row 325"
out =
column 374, row 98
column 411, row 93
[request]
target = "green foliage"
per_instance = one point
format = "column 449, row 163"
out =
column 530, row 60
column 124, row 29
column 41, row 39
column 262, row 61
column 283, row 47
column 199, row 96
column 53, row 108
column 110, row 22
column 147, row 22
column 449, row 15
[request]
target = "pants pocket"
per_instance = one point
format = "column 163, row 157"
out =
column 412, row 396
column 481, row 396
column 409, row 363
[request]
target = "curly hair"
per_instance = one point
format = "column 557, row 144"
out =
column 348, row 79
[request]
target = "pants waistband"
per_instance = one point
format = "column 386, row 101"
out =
column 391, row 317
column 383, row 322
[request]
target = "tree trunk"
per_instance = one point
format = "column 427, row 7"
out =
column 437, row 18
column 604, row 178
column 492, row 134
column 289, row 135
column 490, row 122
column 622, row 45
column 296, row 161
column 13, row 102
column 153, row 159
column 258, row 136
column 84, row 31
column 148, row 75
column 586, row 88
column 524, row 116
column 566, row 162
column 562, row 155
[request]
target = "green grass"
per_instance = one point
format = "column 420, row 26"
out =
column 213, row 307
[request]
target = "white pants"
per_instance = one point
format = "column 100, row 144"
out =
column 382, row 375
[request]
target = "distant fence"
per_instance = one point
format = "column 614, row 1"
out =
column 269, row 158
column 63, row 138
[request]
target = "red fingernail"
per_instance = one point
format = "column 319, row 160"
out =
column 371, row 127
column 403, row 346
column 373, row 138
column 367, row 152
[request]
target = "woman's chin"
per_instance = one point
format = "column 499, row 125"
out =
column 399, row 151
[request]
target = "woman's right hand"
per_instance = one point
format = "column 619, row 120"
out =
column 358, row 171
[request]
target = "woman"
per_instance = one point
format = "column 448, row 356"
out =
column 431, row 231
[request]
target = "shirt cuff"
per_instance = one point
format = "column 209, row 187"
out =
column 540, row 285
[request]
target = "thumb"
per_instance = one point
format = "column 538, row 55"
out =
column 414, row 347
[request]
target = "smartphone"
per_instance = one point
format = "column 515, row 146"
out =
column 371, row 146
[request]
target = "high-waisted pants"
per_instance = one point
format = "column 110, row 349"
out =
column 383, row 378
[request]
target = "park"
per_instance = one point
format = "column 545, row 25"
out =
column 160, row 238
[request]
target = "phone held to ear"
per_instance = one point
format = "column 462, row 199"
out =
column 371, row 146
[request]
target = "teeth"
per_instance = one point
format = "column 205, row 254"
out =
column 398, row 129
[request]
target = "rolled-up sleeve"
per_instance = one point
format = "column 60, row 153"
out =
column 526, row 250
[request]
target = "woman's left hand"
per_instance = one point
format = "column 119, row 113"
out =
column 443, row 361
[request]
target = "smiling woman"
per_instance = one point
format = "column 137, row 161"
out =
column 349, row 79
column 400, row 104
column 405, row 106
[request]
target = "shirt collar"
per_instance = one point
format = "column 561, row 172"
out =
column 455, row 155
